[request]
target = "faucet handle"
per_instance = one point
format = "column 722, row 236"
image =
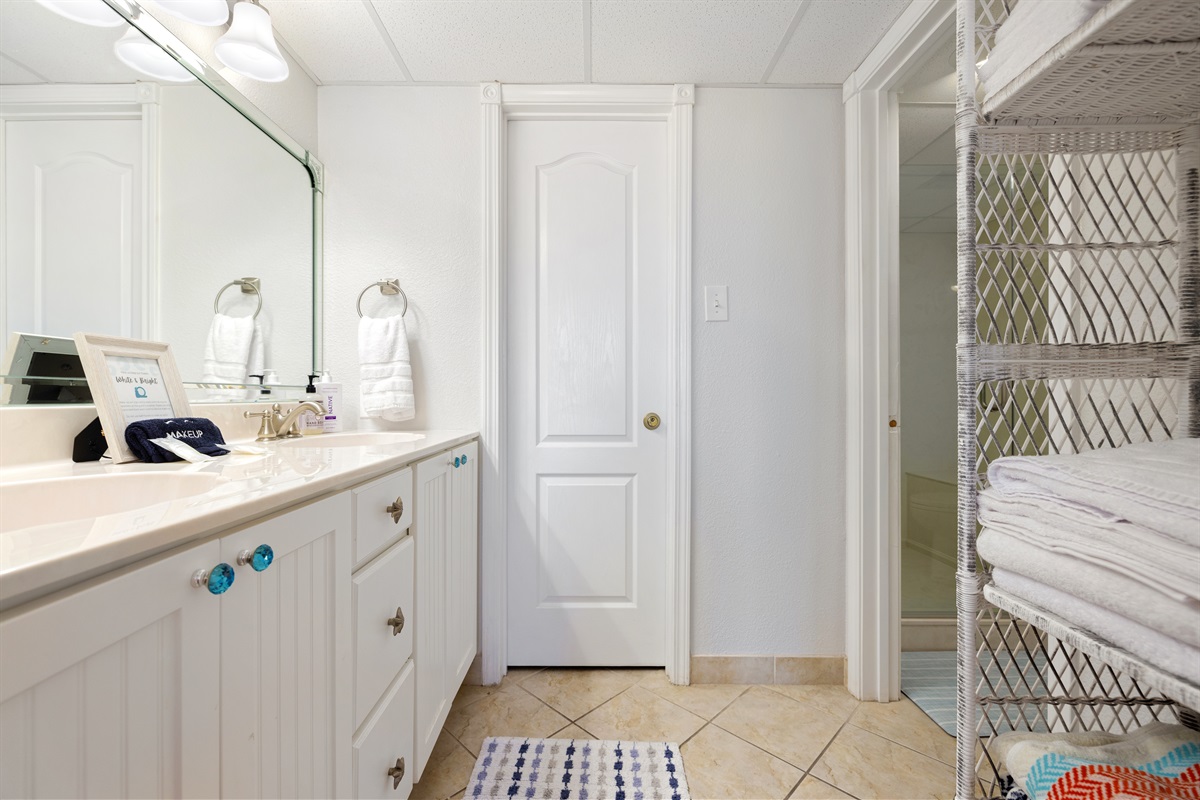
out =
column 266, row 430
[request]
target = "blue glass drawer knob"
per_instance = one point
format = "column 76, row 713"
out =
column 259, row 558
column 217, row 580
column 456, row 462
column 464, row 458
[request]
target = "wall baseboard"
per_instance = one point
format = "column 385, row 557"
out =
column 807, row 670
column 928, row 634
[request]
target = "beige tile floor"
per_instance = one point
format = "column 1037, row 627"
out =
column 745, row 742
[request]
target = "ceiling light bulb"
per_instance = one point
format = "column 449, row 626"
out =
column 89, row 12
column 201, row 12
column 249, row 47
column 137, row 52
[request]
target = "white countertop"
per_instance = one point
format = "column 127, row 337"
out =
column 37, row 560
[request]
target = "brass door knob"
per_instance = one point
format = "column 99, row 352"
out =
column 397, row 622
column 651, row 421
column 396, row 509
column 396, row 773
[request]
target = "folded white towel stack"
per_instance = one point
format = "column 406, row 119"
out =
column 385, row 385
column 227, row 353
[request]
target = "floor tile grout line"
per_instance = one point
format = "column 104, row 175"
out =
column 899, row 744
column 824, row 750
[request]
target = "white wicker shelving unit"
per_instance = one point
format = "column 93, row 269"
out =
column 1079, row 328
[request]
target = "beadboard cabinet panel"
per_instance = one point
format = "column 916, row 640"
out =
column 431, row 530
column 112, row 691
column 462, row 567
column 286, row 672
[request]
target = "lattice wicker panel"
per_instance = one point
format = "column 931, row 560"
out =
column 1029, row 680
column 1077, row 240
column 1072, row 415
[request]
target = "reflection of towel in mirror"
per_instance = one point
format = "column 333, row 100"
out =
column 227, row 354
column 385, row 386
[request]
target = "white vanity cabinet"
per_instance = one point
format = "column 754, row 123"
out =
column 446, row 534
column 113, row 690
column 285, row 656
column 326, row 669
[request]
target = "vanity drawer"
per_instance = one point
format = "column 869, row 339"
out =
column 374, row 507
column 385, row 744
column 383, row 594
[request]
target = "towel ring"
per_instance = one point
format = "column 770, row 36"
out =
column 248, row 286
column 387, row 286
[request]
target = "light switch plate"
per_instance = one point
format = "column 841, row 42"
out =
column 716, row 303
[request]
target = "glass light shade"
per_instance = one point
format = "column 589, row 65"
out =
column 249, row 48
column 201, row 12
column 89, row 12
column 137, row 52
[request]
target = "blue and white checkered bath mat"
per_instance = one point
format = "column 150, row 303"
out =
column 577, row 769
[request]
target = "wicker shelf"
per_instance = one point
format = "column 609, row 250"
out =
column 1146, row 674
column 1135, row 61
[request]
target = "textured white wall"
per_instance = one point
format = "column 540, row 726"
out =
column 769, row 542
column 928, row 320
column 403, row 200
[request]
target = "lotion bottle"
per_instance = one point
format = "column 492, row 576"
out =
column 331, row 393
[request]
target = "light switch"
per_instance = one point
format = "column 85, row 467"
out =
column 716, row 303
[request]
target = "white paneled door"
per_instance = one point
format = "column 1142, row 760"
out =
column 73, row 215
column 588, row 257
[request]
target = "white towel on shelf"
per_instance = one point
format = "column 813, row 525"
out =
column 1167, row 653
column 1031, row 31
column 1155, row 486
column 1148, row 605
column 227, row 353
column 1121, row 546
column 385, row 386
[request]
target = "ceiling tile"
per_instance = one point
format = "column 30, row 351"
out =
column 703, row 41
column 59, row 49
column 12, row 73
column 516, row 41
column 337, row 39
column 920, row 126
column 833, row 38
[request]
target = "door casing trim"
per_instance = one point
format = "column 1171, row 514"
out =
column 504, row 102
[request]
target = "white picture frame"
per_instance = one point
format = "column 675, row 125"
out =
column 130, row 380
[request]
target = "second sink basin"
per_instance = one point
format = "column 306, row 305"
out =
column 366, row 439
column 24, row 504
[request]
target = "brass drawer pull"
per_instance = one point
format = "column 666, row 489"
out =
column 397, row 622
column 396, row 509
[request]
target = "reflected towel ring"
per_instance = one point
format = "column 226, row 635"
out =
column 248, row 286
column 387, row 286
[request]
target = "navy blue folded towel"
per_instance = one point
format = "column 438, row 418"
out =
column 198, row 432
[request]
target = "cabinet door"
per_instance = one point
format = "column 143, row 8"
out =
column 462, row 567
column 431, row 530
column 112, row 691
column 286, row 673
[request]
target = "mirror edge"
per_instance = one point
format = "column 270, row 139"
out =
column 144, row 21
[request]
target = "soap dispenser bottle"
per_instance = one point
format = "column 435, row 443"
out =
column 310, row 423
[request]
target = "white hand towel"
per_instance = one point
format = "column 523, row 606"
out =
column 385, row 373
column 227, row 353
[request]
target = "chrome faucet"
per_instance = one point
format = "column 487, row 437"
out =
column 278, row 425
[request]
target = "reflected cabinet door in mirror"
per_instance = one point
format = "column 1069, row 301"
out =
column 129, row 202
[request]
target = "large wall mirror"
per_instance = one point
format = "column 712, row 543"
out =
column 163, row 208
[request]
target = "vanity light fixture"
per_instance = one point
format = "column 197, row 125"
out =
column 89, row 12
column 248, row 47
column 201, row 12
column 137, row 52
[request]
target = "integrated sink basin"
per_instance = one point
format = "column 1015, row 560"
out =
column 371, row 439
column 24, row 504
